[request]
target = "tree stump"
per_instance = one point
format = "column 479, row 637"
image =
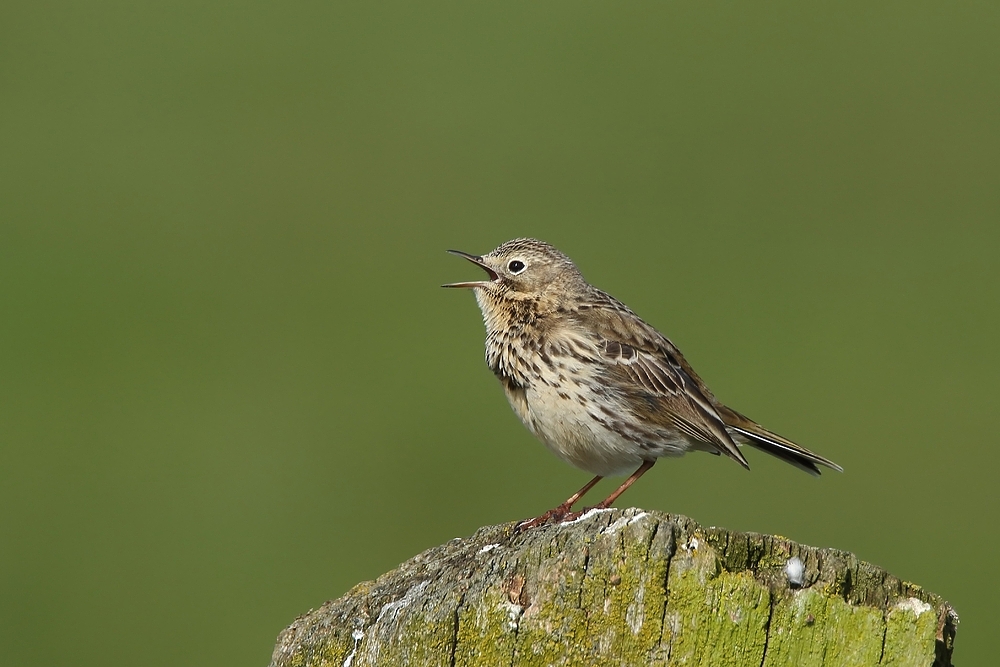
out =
column 626, row 587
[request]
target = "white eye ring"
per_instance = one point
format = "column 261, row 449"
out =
column 515, row 266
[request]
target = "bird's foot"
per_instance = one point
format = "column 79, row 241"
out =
column 562, row 514
column 573, row 516
column 554, row 515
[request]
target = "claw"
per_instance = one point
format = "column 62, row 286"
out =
column 554, row 515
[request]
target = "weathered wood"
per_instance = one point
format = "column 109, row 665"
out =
column 626, row 587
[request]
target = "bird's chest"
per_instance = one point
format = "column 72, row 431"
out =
column 515, row 348
column 555, row 389
column 554, row 407
column 569, row 418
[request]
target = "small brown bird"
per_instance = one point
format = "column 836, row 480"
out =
column 602, row 389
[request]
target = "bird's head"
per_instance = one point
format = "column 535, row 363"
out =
column 522, row 270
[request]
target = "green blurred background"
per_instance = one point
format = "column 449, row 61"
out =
column 231, row 388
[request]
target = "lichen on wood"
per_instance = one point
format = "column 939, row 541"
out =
column 626, row 587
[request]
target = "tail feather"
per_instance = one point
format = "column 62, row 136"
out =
column 760, row 438
column 801, row 458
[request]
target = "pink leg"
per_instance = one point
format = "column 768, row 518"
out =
column 604, row 504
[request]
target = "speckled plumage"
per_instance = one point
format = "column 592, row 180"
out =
column 602, row 389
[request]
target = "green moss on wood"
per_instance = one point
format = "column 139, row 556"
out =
column 811, row 628
column 625, row 588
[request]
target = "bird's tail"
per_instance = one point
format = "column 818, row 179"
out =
column 759, row 437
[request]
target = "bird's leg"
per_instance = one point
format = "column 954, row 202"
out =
column 606, row 503
column 557, row 513
column 568, row 505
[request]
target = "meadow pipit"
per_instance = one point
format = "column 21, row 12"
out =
column 602, row 389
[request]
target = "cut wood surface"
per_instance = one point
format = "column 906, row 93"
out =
column 626, row 587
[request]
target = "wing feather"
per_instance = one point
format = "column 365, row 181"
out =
column 648, row 368
column 666, row 391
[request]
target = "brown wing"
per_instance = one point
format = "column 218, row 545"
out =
column 656, row 358
column 649, row 368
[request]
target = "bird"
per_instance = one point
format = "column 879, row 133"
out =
column 602, row 389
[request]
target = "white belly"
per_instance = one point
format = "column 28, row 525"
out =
column 571, row 427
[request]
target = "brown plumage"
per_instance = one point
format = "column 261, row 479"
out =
column 602, row 389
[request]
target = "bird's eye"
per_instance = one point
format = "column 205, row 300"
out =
column 515, row 266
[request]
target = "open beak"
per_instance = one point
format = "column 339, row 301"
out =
column 478, row 261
